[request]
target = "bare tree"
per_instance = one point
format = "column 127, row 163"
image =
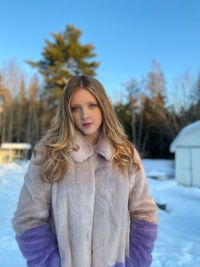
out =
column 132, row 92
column 6, row 99
column 12, row 73
column 21, row 113
column 33, row 122
column 183, row 90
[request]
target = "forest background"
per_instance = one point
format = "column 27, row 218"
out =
column 142, row 105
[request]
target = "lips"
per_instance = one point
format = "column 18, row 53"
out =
column 86, row 125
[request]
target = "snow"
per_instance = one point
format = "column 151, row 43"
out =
column 11, row 179
column 159, row 168
column 178, row 242
column 25, row 146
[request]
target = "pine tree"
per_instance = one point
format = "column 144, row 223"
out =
column 64, row 57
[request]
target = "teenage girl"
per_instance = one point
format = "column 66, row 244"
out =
column 85, row 200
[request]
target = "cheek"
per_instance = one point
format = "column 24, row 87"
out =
column 75, row 118
column 99, row 116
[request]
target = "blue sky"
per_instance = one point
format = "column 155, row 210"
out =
column 127, row 35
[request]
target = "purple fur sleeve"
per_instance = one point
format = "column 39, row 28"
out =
column 142, row 237
column 39, row 247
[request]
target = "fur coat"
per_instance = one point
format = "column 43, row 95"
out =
column 95, row 217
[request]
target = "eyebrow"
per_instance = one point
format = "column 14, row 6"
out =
column 90, row 102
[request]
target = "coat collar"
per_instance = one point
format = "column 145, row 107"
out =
column 103, row 147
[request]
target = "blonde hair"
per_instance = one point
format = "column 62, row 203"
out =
column 60, row 139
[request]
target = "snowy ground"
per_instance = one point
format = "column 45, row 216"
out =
column 178, row 242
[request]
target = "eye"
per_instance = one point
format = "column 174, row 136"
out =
column 93, row 105
column 74, row 109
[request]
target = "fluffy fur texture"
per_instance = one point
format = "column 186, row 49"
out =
column 39, row 247
column 142, row 237
column 90, row 209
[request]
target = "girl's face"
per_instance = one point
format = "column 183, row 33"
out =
column 86, row 114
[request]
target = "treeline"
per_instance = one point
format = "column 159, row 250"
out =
column 151, row 120
column 23, row 116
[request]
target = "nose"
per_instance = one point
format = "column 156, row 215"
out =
column 85, row 113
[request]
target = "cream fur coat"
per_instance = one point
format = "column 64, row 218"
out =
column 90, row 209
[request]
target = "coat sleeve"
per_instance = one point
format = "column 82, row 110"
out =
column 143, row 219
column 31, row 221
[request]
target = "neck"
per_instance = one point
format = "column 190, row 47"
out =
column 92, row 140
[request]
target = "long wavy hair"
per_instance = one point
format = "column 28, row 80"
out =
column 60, row 139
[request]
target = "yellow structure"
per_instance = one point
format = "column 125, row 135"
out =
column 12, row 151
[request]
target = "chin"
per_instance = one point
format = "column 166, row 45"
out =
column 88, row 133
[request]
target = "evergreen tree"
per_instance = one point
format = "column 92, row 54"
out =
column 64, row 57
column 124, row 116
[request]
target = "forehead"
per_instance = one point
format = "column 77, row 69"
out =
column 81, row 96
